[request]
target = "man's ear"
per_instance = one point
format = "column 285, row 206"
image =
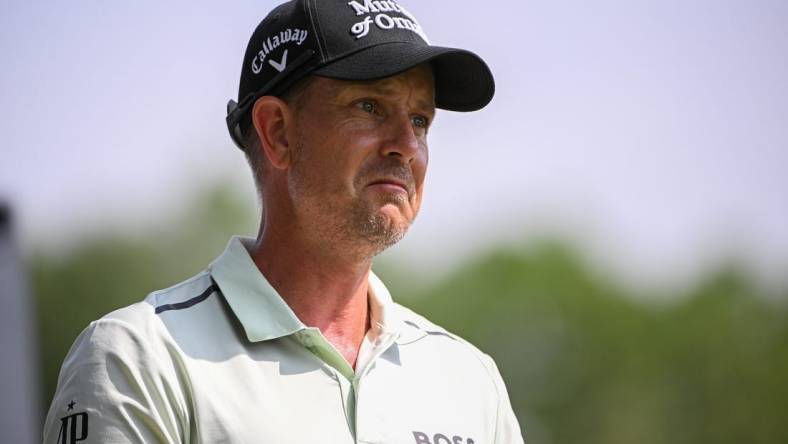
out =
column 271, row 118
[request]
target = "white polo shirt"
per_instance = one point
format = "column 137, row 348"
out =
column 221, row 358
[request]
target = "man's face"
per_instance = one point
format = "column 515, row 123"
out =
column 360, row 157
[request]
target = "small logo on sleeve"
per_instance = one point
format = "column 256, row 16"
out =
column 440, row 438
column 74, row 427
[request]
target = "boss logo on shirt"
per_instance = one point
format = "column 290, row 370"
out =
column 440, row 438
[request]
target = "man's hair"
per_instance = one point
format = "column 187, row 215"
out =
column 294, row 97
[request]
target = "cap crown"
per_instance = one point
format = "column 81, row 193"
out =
column 332, row 29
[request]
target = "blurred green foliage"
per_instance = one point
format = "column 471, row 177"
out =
column 584, row 360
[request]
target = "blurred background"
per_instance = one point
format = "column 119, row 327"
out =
column 611, row 228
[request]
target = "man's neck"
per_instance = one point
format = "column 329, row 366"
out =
column 324, row 292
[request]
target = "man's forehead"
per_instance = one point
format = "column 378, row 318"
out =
column 418, row 80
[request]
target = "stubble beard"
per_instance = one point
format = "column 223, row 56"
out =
column 378, row 231
column 358, row 230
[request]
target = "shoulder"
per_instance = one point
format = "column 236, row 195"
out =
column 133, row 332
column 182, row 295
column 428, row 328
column 141, row 321
column 418, row 328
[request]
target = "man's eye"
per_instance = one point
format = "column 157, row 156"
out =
column 419, row 121
column 367, row 106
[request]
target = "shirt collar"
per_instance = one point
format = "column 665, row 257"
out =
column 384, row 320
column 262, row 311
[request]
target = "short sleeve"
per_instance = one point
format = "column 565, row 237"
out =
column 507, row 429
column 113, row 388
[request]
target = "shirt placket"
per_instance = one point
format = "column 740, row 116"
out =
column 370, row 425
column 366, row 424
column 314, row 341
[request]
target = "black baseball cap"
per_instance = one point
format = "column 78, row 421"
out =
column 350, row 40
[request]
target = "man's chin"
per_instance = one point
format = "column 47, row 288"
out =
column 387, row 227
column 395, row 212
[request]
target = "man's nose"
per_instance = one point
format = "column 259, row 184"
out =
column 401, row 139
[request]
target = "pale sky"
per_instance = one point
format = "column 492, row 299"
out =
column 655, row 133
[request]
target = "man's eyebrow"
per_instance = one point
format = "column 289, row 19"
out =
column 384, row 89
column 374, row 86
column 428, row 105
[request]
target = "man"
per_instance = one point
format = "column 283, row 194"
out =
column 290, row 338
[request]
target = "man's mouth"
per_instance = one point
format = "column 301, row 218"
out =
column 392, row 183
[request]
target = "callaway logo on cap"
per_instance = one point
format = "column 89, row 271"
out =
column 350, row 40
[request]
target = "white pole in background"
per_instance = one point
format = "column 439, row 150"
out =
column 20, row 417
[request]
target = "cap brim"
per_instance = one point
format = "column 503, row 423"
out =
column 463, row 82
